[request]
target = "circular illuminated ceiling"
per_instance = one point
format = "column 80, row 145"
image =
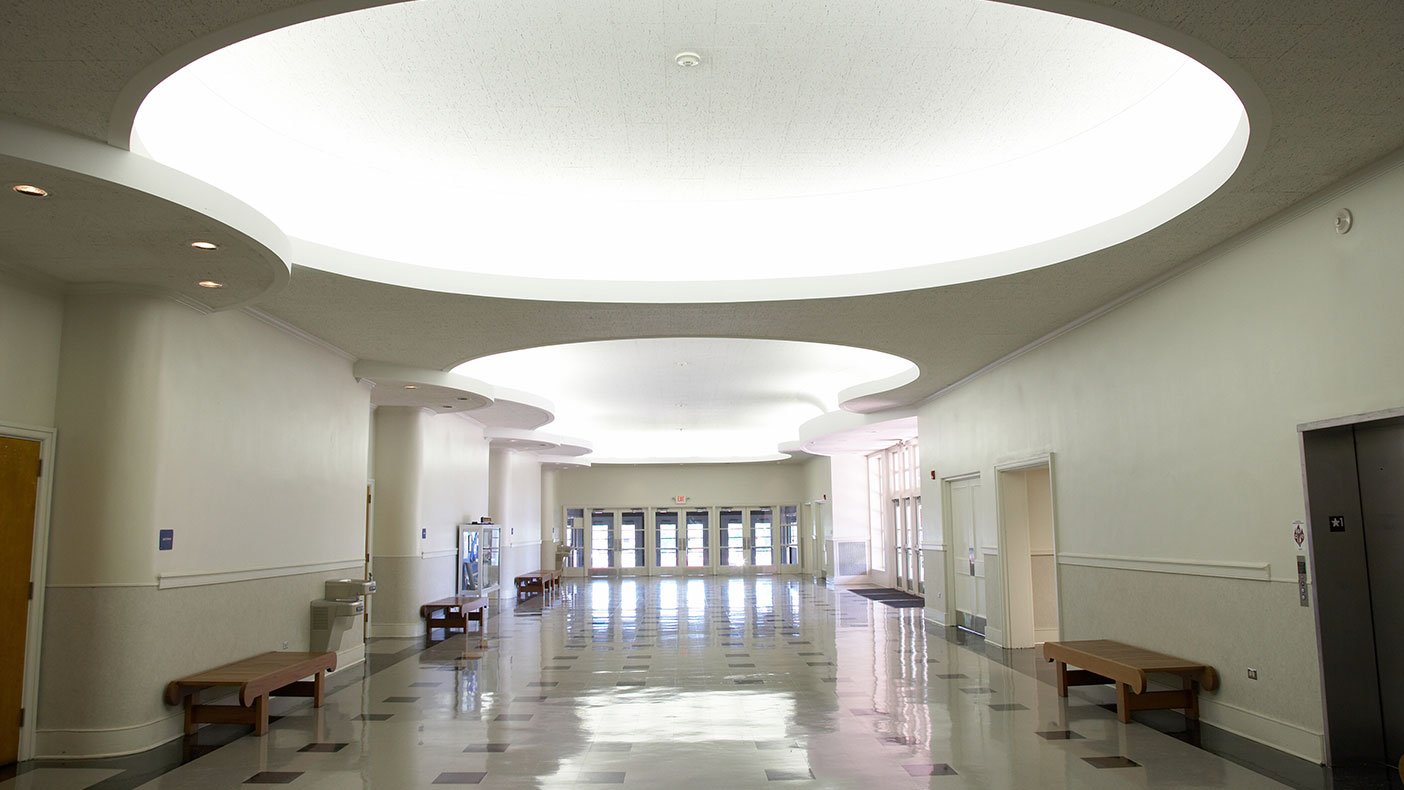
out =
column 681, row 400
column 556, row 150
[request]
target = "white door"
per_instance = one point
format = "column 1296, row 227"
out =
column 967, row 565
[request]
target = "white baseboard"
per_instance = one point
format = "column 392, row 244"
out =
column 937, row 616
column 415, row 628
column 1278, row 734
column 350, row 657
column 108, row 741
column 994, row 636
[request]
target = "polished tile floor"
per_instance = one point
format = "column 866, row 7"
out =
column 716, row 683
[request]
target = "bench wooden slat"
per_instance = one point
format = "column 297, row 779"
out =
column 452, row 612
column 257, row 678
column 1126, row 667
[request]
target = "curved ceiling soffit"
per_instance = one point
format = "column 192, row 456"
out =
column 85, row 158
column 863, row 397
column 1254, row 103
column 475, row 394
column 129, row 99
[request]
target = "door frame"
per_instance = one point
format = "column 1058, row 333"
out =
column 38, row 572
column 1043, row 459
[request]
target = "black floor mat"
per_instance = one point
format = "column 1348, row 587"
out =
column 894, row 598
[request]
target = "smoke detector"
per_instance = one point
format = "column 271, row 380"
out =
column 688, row 59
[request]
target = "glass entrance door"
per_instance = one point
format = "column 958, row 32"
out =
column 633, row 551
column 760, row 534
column 603, row 529
column 731, row 544
column 789, row 558
column 698, row 554
column 575, row 543
column 666, row 542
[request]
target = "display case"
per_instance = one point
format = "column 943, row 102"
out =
column 479, row 558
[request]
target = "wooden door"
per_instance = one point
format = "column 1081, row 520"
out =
column 19, row 488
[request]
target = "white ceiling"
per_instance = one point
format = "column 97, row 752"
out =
column 687, row 399
column 845, row 147
column 1321, row 84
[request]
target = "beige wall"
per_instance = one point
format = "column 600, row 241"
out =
column 616, row 485
column 249, row 442
column 1172, row 423
column 31, row 325
column 515, row 504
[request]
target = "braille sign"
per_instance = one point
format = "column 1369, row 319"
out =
column 1338, row 523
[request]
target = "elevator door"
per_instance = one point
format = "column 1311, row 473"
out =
column 1379, row 453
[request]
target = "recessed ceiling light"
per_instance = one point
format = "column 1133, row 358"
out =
column 411, row 387
column 204, row 245
column 29, row 190
column 210, row 284
column 461, row 397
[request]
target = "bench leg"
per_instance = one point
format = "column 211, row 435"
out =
column 1123, row 703
column 190, row 724
column 1062, row 678
column 317, row 689
column 260, row 715
column 1192, row 709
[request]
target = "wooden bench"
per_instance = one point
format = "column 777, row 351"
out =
column 1105, row 661
column 257, row 679
column 454, row 612
column 538, row 581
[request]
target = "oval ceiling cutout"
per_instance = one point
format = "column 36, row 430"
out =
column 556, row 150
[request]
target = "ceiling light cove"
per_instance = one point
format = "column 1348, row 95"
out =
column 842, row 148
column 736, row 400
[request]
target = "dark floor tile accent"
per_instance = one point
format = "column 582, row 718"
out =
column 748, row 681
column 602, row 777
column 798, row 643
column 323, row 747
column 544, row 683
column 425, row 684
column 1007, row 706
column 460, row 777
column 556, row 667
column 1111, row 762
column 812, row 653
column 828, row 680
column 933, row 660
column 773, row 745
column 630, row 683
column 979, row 690
column 929, row 769
column 401, row 699
column 529, row 699
column 486, row 747
column 738, row 666
column 950, row 677
column 738, row 655
column 372, row 717
column 786, row 774
column 272, row 777
column 512, row 717
column 1059, row 735
column 820, row 663
column 640, row 657
column 900, row 740
column 733, row 644
column 565, row 658
column 611, row 747
column 633, row 667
